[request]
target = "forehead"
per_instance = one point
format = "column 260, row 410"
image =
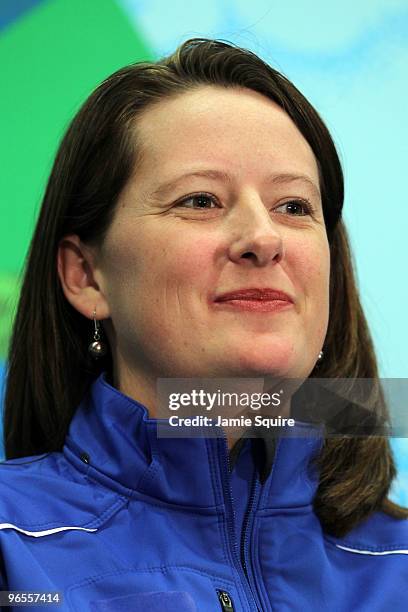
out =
column 238, row 127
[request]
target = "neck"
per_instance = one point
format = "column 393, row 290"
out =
column 139, row 385
column 142, row 387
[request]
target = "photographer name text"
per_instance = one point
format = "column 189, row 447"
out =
column 242, row 421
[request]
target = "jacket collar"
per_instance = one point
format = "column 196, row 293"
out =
column 112, row 437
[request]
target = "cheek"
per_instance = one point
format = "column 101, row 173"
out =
column 187, row 260
column 311, row 263
column 160, row 273
column 312, row 281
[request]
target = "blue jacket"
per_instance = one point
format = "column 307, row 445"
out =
column 124, row 520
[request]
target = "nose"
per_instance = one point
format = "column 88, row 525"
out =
column 254, row 234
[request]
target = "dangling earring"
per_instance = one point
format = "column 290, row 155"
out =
column 97, row 348
column 320, row 357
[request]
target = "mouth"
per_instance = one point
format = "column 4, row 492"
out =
column 255, row 299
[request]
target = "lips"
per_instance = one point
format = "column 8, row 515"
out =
column 254, row 294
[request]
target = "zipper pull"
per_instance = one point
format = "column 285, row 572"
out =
column 225, row 601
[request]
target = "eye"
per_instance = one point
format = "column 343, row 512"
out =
column 200, row 201
column 298, row 205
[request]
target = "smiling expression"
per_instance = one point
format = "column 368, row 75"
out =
column 246, row 215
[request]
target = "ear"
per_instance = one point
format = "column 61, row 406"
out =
column 76, row 273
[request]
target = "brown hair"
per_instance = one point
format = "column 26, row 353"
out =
column 49, row 368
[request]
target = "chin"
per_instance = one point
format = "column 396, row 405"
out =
column 276, row 363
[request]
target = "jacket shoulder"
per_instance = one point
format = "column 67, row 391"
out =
column 379, row 534
column 45, row 492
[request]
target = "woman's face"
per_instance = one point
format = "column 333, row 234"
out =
column 241, row 221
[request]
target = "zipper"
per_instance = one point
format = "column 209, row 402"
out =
column 231, row 527
column 246, row 530
column 225, row 601
column 244, row 535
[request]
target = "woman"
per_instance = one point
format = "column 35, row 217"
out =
column 184, row 193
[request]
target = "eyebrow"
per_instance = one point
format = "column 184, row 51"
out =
column 275, row 179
